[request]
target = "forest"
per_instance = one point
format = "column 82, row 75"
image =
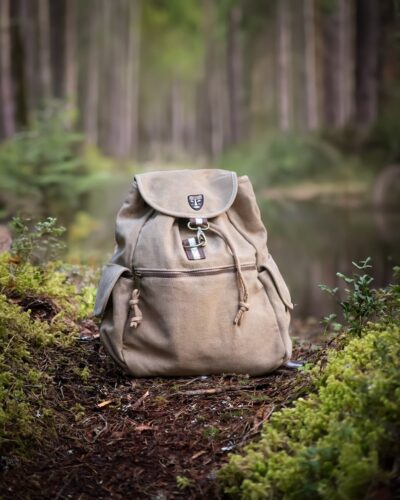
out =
column 303, row 96
column 157, row 79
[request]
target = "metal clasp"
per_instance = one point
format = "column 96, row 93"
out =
column 200, row 235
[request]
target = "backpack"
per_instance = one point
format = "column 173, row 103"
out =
column 191, row 288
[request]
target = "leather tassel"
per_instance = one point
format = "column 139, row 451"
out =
column 243, row 307
column 137, row 313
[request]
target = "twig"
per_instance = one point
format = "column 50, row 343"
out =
column 255, row 429
column 136, row 405
column 218, row 390
column 102, row 430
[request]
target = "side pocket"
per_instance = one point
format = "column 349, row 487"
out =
column 112, row 305
column 279, row 296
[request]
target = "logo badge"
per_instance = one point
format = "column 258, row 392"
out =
column 196, row 201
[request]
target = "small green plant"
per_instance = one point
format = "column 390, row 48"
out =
column 211, row 432
column 79, row 412
column 83, row 373
column 362, row 302
column 183, row 482
column 37, row 243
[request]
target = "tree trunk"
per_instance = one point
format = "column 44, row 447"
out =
column 7, row 91
column 339, row 65
column 133, row 77
column 310, row 49
column 70, row 82
column 346, row 63
column 367, row 61
column 44, row 50
column 29, row 45
column 284, row 65
column 235, row 73
column 92, row 79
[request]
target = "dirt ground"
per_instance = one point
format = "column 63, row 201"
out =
column 121, row 437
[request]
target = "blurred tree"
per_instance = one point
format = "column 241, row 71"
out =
column 368, row 60
column 172, row 79
column 284, row 64
column 7, row 91
column 71, row 76
column 44, row 50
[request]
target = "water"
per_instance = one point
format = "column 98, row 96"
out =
column 310, row 241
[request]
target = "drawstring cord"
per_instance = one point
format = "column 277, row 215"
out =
column 243, row 305
column 137, row 313
column 243, row 291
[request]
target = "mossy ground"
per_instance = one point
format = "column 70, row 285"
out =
column 342, row 441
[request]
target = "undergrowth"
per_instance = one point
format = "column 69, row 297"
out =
column 284, row 159
column 40, row 310
column 342, row 441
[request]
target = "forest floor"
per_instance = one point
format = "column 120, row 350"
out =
column 121, row 437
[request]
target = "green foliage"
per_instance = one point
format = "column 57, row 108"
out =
column 385, row 137
column 340, row 442
column 175, row 27
column 38, row 244
column 43, row 171
column 211, row 432
column 288, row 158
column 364, row 303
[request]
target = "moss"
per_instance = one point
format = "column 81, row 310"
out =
column 339, row 442
column 28, row 336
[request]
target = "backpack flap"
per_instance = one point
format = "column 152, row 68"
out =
column 186, row 194
column 110, row 276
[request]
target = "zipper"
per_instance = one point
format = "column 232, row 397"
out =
column 159, row 273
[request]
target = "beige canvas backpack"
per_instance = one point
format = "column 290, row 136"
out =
column 191, row 288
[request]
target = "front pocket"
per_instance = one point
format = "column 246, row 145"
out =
column 188, row 329
column 279, row 297
column 112, row 305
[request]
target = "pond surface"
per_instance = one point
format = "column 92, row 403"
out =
column 310, row 241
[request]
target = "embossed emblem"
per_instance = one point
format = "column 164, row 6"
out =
column 196, row 201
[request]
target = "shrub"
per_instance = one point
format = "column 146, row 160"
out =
column 43, row 168
column 362, row 303
column 289, row 158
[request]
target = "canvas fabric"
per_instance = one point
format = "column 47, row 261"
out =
column 191, row 288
